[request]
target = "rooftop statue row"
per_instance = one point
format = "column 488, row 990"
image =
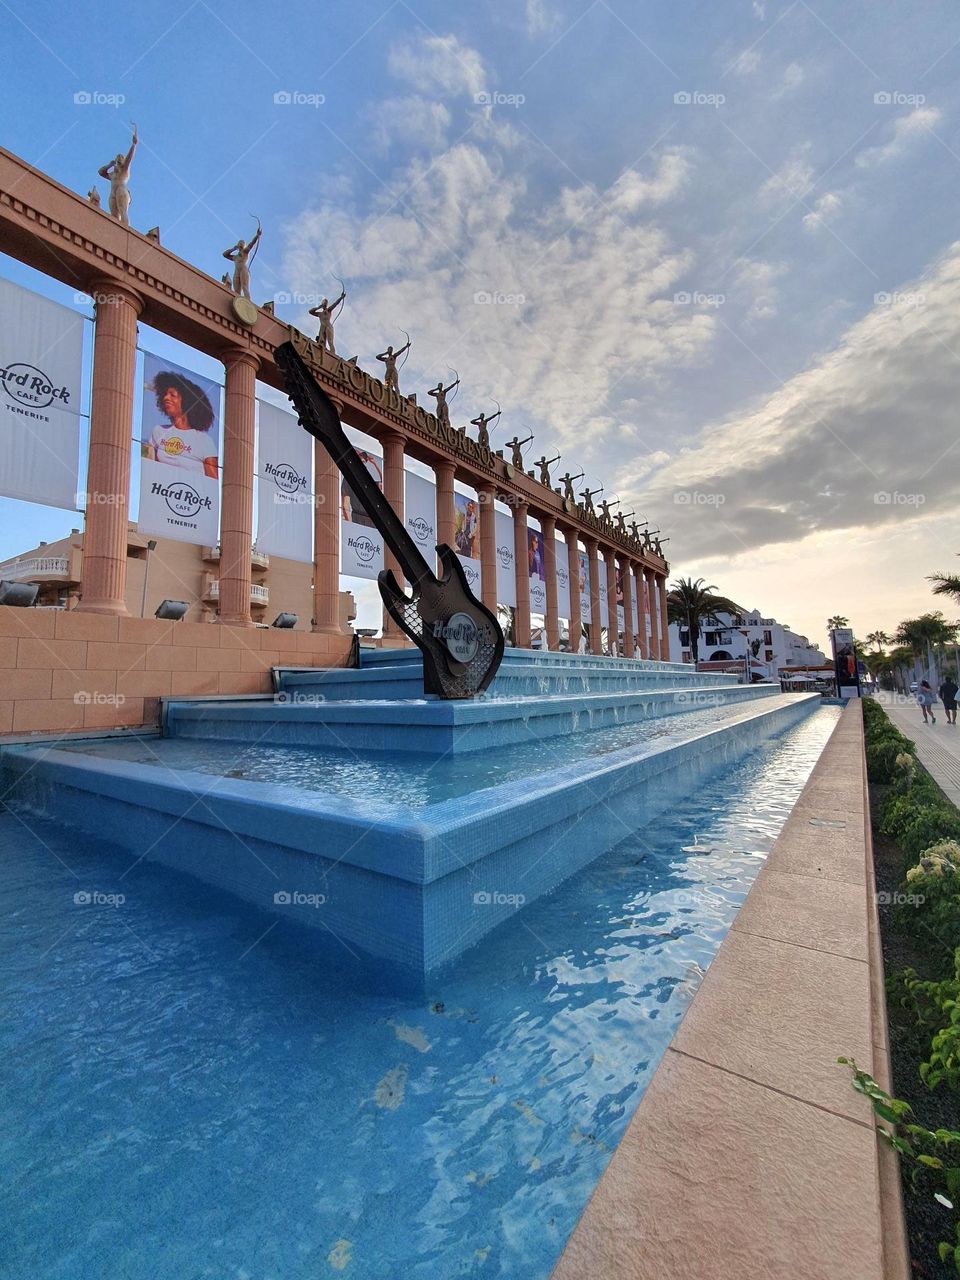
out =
column 241, row 255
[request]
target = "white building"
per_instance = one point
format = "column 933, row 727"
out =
column 770, row 645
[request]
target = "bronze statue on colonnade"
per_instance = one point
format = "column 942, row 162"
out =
column 325, row 313
column 516, row 445
column 391, row 376
column 117, row 171
column 545, row 464
column 568, row 483
column 482, row 422
column 241, row 255
column 439, row 392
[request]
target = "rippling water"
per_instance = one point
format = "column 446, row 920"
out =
column 191, row 1090
column 412, row 781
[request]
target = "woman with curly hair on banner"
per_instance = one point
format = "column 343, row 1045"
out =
column 184, row 441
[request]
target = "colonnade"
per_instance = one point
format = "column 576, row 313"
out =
column 118, row 308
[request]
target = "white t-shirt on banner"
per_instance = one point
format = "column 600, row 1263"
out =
column 186, row 449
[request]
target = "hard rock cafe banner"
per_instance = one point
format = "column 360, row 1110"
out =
column 604, row 594
column 586, row 611
column 361, row 546
column 621, row 615
column 636, row 612
column 506, row 570
column 538, row 573
column 284, row 486
column 420, row 514
column 41, row 359
column 563, row 580
column 179, row 448
column 845, row 662
column 467, row 537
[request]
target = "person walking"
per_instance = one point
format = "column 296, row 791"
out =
column 948, row 696
column 925, row 701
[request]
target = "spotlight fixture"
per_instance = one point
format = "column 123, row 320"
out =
column 171, row 610
column 19, row 594
column 284, row 621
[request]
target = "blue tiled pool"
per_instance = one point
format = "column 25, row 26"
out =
column 193, row 1088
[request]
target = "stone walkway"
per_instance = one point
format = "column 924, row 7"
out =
column 938, row 745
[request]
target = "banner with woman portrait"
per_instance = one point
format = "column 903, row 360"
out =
column 563, row 580
column 284, row 485
column 361, row 546
column 466, row 535
column 179, row 452
column 586, row 613
column 537, row 571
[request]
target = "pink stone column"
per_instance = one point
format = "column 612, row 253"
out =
column 626, row 578
column 111, row 428
column 236, row 515
column 613, row 622
column 664, row 619
column 573, row 575
column 326, row 542
column 638, row 583
column 596, row 624
column 393, row 444
column 446, row 515
column 651, row 578
column 521, row 566
column 548, row 529
column 488, row 546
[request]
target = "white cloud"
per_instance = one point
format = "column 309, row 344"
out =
column 864, row 438
column 441, row 64
column 824, row 210
column 791, row 181
column 541, row 18
column 905, row 128
column 756, row 279
column 411, row 121
column 747, row 62
column 793, row 78
column 632, row 190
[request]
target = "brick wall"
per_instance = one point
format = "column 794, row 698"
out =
column 68, row 670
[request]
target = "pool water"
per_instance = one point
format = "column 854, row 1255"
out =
column 194, row 1089
column 413, row 781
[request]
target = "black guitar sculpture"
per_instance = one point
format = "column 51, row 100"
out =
column 461, row 640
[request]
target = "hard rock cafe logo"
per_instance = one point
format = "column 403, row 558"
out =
column 364, row 547
column 287, row 478
column 421, row 529
column 505, row 556
column 471, row 574
column 30, row 386
column 173, row 446
column 562, row 575
column 460, row 635
column 182, row 499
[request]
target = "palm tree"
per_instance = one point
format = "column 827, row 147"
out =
column 920, row 635
column 837, row 621
column 690, row 603
column 879, row 638
column 945, row 584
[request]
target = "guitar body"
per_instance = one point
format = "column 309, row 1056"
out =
column 460, row 638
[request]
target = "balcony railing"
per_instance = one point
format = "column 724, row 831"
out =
column 258, row 558
column 258, row 594
column 36, row 568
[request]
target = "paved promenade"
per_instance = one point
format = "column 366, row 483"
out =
column 938, row 745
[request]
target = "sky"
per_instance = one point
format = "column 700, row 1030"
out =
column 709, row 253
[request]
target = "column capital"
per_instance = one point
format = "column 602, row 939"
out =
column 445, row 466
column 592, row 544
column 393, row 437
column 232, row 356
column 547, row 522
column 108, row 289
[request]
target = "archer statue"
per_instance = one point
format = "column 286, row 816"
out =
column 482, row 423
column 568, row 482
column 390, row 357
column 439, row 392
column 545, row 464
column 325, row 314
column 241, row 255
column 516, row 445
column 117, row 172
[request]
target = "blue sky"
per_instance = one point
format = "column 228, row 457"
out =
column 790, row 168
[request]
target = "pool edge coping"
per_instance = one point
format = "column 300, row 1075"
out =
column 630, row 1231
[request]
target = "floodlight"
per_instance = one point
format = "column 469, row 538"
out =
column 19, row 594
column 171, row 610
column 285, row 621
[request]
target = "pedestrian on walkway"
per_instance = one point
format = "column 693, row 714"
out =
column 925, row 700
column 948, row 696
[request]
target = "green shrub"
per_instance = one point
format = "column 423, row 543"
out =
column 928, row 825
column 934, row 1007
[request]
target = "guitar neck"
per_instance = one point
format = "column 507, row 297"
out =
column 319, row 416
